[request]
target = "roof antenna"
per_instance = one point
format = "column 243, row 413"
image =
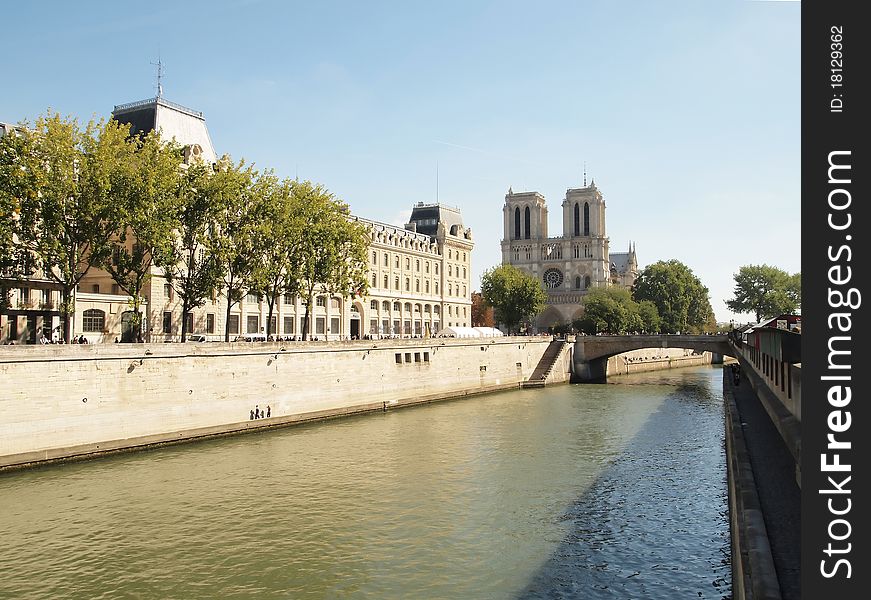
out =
column 159, row 66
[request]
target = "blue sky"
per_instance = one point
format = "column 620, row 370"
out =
column 685, row 113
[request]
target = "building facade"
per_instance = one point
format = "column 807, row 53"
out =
column 569, row 265
column 419, row 276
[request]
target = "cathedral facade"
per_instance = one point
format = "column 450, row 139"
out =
column 569, row 265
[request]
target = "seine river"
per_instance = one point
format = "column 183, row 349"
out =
column 575, row 491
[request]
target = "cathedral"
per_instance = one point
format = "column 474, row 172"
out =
column 571, row 264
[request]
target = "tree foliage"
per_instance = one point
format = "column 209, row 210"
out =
column 514, row 295
column 67, row 180
column 192, row 265
column 332, row 253
column 680, row 298
column 242, row 193
column 612, row 310
column 765, row 291
column 145, row 201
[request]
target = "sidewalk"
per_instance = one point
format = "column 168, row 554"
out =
column 779, row 494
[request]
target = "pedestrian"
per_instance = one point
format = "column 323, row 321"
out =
column 268, row 411
column 256, row 412
column 252, row 415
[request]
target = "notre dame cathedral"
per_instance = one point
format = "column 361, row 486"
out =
column 569, row 265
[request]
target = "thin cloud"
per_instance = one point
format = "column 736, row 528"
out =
column 488, row 153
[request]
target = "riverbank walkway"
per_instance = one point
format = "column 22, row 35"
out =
column 778, row 493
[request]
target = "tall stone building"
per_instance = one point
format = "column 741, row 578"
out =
column 568, row 265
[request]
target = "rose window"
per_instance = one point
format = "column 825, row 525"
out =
column 553, row 278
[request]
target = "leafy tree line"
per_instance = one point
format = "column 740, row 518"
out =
column 666, row 298
column 73, row 198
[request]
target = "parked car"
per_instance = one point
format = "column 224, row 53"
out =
column 197, row 337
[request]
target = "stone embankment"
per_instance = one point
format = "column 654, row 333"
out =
column 62, row 402
column 655, row 359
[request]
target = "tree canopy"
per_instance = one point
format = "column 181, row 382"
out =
column 680, row 298
column 73, row 198
column 612, row 310
column 514, row 295
column 765, row 291
column 66, row 179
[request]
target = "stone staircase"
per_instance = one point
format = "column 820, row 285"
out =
column 545, row 365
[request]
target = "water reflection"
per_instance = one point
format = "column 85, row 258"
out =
column 655, row 524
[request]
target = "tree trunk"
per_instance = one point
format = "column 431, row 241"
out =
column 305, row 320
column 184, row 320
column 270, row 302
column 68, row 297
column 227, row 320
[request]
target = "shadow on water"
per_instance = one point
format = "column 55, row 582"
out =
column 655, row 523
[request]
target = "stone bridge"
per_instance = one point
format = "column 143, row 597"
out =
column 592, row 352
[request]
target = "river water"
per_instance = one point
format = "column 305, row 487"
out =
column 577, row 491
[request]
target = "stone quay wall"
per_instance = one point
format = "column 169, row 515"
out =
column 655, row 359
column 60, row 402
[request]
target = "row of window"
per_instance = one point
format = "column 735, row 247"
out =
column 452, row 291
column 385, row 256
column 27, row 298
column 407, row 356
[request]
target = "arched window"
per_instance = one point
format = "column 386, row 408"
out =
column 397, row 306
column 526, row 222
column 517, row 223
column 374, row 305
column 385, row 306
column 586, row 282
column 586, row 218
column 93, row 320
column 577, row 219
column 407, row 307
column 577, row 279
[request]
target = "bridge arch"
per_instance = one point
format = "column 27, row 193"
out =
column 591, row 353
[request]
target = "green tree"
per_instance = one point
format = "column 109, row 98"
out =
column 144, row 200
column 277, row 241
column 14, row 185
column 765, row 291
column 613, row 310
column 241, row 193
column 333, row 248
column 680, row 298
column 68, row 213
column 514, row 295
column 650, row 321
column 192, row 266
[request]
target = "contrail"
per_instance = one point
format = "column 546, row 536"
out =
column 488, row 153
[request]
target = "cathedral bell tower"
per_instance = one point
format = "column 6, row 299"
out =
column 525, row 216
column 525, row 223
column 584, row 212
